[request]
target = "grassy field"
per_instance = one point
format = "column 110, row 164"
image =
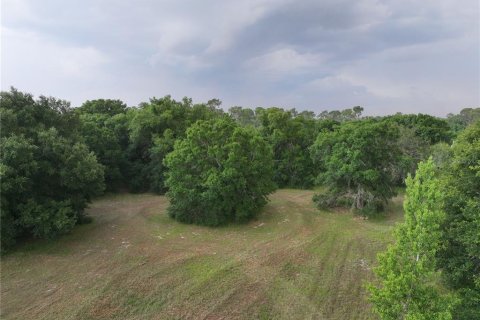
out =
column 133, row 262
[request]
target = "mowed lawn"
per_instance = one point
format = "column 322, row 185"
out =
column 134, row 262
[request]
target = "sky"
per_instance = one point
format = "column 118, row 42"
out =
column 387, row 56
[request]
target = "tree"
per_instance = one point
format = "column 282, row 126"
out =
column 466, row 117
column 441, row 154
column 460, row 255
column 244, row 116
column 219, row 173
column 48, row 175
column 103, row 127
column 429, row 128
column 108, row 107
column 17, row 168
column 290, row 138
column 354, row 113
column 161, row 121
column 413, row 150
column 407, row 270
column 356, row 162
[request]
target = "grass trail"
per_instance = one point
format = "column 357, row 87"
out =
column 133, row 262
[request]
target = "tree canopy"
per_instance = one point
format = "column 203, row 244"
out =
column 103, row 127
column 153, row 128
column 290, row 136
column 221, row 172
column 356, row 163
column 407, row 269
column 48, row 175
column 460, row 254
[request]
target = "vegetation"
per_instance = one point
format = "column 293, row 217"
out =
column 408, row 268
column 459, row 257
column 134, row 262
column 356, row 163
column 153, row 129
column 290, row 137
column 219, row 168
column 466, row 117
column 103, row 126
column 220, row 172
column 440, row 236
column 430, row 129
column 48, row 175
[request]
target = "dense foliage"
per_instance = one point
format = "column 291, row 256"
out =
column 442, row 227
column 407, row 269
column 153, row 129
column 429, row 128
column 356, row 162
column 220, row 172
column 219, row 167
column 460, row 254
column 48, row 175
column 290, row 136
column 466, row 117
column 103, row 127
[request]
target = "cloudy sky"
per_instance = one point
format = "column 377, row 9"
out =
column 385, row 55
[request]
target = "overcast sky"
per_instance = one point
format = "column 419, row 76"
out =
column 387, row 56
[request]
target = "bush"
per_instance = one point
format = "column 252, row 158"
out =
column 324, row 201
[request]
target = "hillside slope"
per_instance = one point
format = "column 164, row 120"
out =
column 133, row 262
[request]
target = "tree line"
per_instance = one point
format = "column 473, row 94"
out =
column 55, row 158
column 218, row 167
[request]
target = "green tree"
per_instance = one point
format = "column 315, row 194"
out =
column 48, row 175
column 354, row 113
column 21, row 114
column 103, row 127
column 413, row 149
column 219, row 173
column 161, row 121
column 290, row 137
column 441, row 154
column 460, row 255
column 407, row 270
column 356, row 162
column 108, row 107
column 429, row 128
column 244, row 116
column 17, row 169
column 466, row 117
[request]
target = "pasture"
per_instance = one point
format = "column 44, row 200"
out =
column 134, row 262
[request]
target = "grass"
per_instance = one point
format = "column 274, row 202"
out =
column 133, row 262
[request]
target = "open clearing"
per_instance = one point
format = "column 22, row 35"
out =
column 134, row 262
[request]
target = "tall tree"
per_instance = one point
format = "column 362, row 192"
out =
column 290, row 137
column 103, row 127
column 460, row 255
column 407, row 270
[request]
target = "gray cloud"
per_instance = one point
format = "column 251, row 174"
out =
column 388, row 56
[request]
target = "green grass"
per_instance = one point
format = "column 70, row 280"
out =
column 133, row 262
